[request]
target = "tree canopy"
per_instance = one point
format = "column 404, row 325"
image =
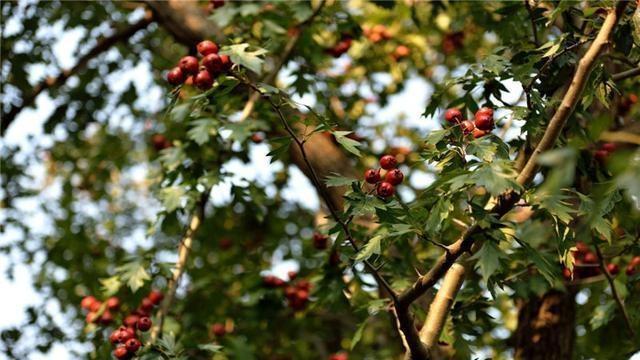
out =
column 503, row 222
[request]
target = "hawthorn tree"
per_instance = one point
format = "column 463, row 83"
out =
column 499, row 228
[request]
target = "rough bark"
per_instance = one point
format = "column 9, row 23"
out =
column 546, row 327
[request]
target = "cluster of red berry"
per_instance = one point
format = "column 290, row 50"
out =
column 587, row 265
column 604, row 150
column 296, row 293
column 481, row 126
column 200, row 73
column 393, row 176
column 124, row 338
column 376, row 33
column 99, row 312
column 626, row 103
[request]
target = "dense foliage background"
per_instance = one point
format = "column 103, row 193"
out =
column 100, row 201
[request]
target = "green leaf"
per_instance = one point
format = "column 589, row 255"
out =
column 172, row 157
column 372, row 247
column 212, row 348
column 488, row 259
column 483, row 149
column 241, row 55
column 280, row 147
column 110, row 285
column 436, row 136
column 544, row 266
column 171, row 197
column 497, row 177
column 202, row 129
column 337, row 180
column 348, row 144
column 134, row 274
column 601, row 315
column 358, row 334
column 180, row 112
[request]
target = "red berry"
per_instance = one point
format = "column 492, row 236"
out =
column 132, row 345
column 257, row 138
column 385, row 189
column 590, row 258
column 131, row 320
column 484, row 122
column 477, row 133
column 95, row 306
column 155, row 296
column 394, row 176
column 189, row 65
column 453, row 115
column 302, row 295
column 292, row 275
column 582, row 247
column 613, row 269
column 635, row 261
column 207, row 47
column 92, row 317
column 213, row 63
column 388, row 162
column 372, row 176
column 144, row 324
column 566, row 273
column 401, row 51
column 87, row 302
column 304, row 285
column 124, row 333
column 226, row 62
column 218, row 329
column 113, row 337
column 121, row 352
column 467, row 126
column 633, row 98
column 290, row 292
column 216, row 3
column 601, row 155
column 608, row 147
column 630, row 270
column 146, row 305
column 113, row 303
column 106, row 318
column 320, row 241
column 339, row 356
column 175, row 76
column 484, row 111
column 277, row 282
column 203, row 80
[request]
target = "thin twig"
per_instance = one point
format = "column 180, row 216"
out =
column 184, row 249
column 533, row 23
column 614, row 292
column 626, row 74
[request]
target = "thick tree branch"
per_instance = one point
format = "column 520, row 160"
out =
column 614, row 292
column 507, row 201
column 51, row 82
column 184, row 249
column 441, row 304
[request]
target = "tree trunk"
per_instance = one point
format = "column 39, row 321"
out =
column 546, row 327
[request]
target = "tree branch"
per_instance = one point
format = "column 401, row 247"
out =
column 614, row 292
column 441, row 304
column 536, row 42
column 508, row 200
column 183, row 253
column 51, row 82
column 626, row 74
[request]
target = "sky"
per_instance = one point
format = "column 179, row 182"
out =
column 27, row 128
